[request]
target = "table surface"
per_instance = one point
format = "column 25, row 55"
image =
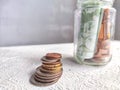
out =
column 18, row 63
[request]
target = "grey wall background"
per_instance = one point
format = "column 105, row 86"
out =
column 36, row 21
column 117, row 30
column 39, row 21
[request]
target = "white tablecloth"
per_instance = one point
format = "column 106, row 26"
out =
column 17, row 64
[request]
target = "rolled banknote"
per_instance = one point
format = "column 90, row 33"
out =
column 89, row 28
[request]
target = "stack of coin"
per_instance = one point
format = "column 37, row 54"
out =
column 49, row 72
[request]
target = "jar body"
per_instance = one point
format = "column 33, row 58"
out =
column 93, row 32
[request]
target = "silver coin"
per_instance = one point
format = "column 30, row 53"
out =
column 33, row 81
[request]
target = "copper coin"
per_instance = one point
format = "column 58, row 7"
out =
column 54, row 63
column 53, row 55
column 49, row 63
column 44, row 59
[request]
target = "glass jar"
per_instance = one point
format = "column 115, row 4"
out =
column 93, row 31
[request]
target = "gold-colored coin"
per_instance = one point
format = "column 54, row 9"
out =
column 52, row 66
column 50, row 71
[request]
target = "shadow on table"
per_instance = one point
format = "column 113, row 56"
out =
column 69, row 60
